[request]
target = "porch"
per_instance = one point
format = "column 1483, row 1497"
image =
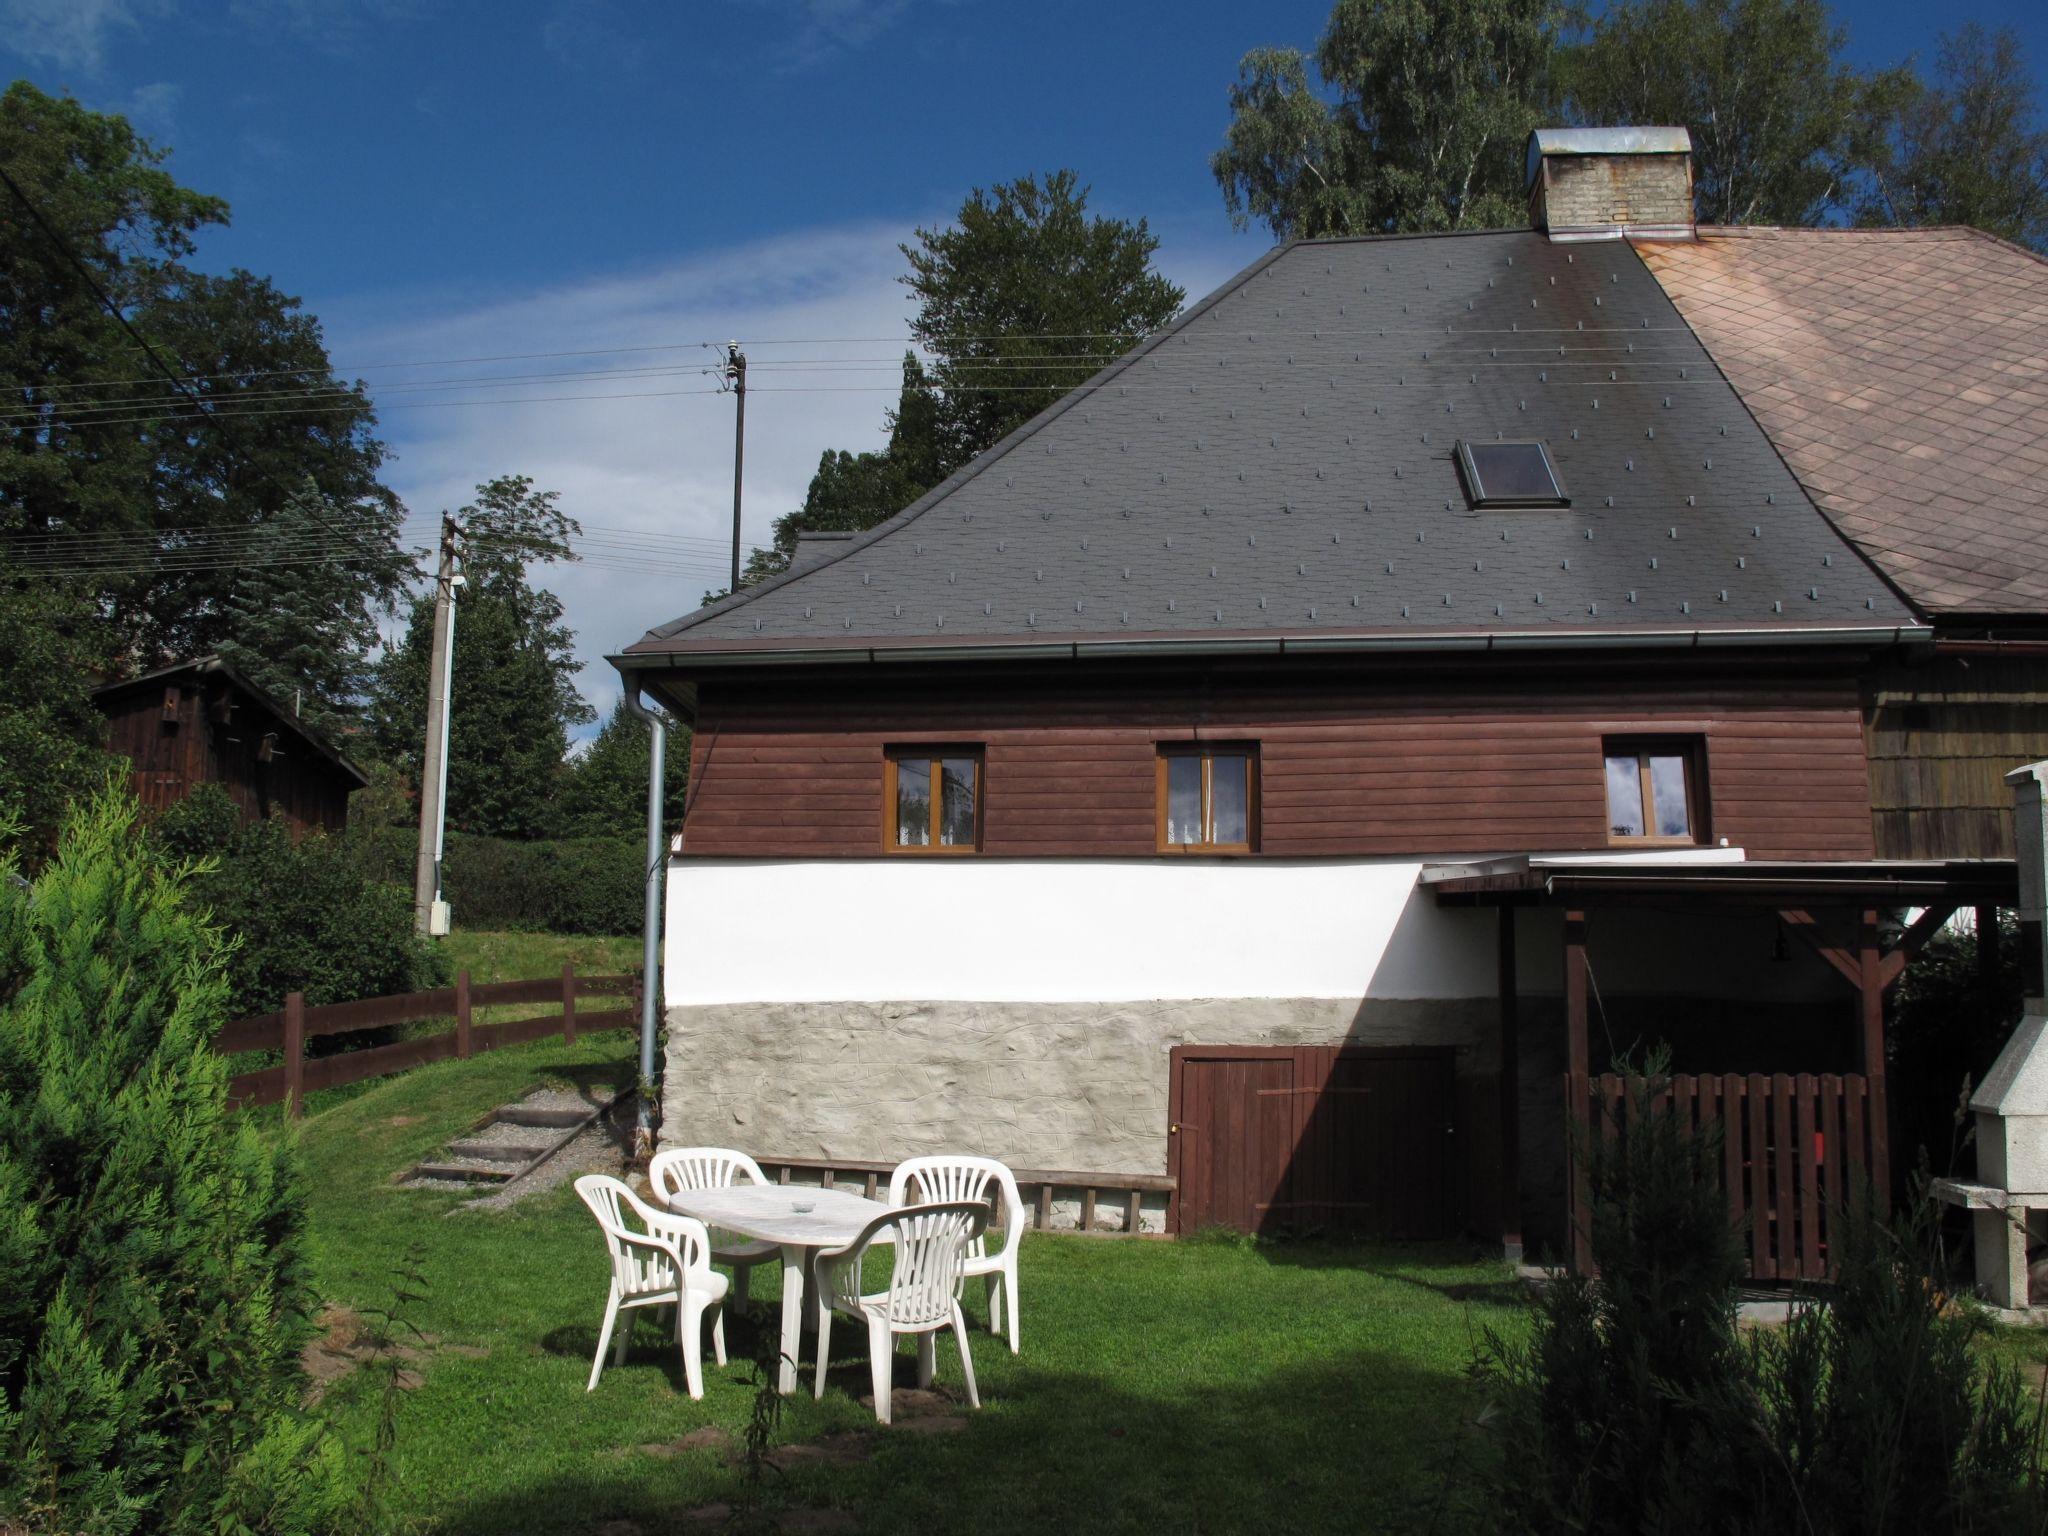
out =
column 1796, row 1137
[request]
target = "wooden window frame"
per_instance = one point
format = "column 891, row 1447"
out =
column 1693, row 751
column 933, row 756
column 1206, row 751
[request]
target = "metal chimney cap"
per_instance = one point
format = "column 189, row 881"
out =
column 1604, row 141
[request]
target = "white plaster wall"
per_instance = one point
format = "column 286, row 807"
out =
column 1065, row 930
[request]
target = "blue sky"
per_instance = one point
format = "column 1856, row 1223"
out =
column 453, row 180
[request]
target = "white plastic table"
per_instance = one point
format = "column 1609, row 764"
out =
column 770, row 1213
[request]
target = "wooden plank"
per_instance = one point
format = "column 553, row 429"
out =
column 1088, row 1210
column 494, row 993
column 378, row 1061
column 1043, row 1219
column 1806, row 1130
column 1856, row 1158
column 294, row 1046
column 1733, row 1127
column 1784, row 1169
column 490, row 1037
column 1762, row 1265
column 1133, row 1210
column 252, row 1090
column 611, row 1018
column 375, row 1012
column 262, row 1032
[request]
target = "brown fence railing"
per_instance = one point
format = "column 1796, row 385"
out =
column 292, row 1026
column 1794, row 1149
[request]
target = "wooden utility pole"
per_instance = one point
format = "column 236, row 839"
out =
column 736, row 376
column 426, row 886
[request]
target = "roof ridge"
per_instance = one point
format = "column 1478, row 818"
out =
column 981, row 461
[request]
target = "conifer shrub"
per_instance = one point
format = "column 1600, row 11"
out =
column 1635, row 1404
column 153, row 1293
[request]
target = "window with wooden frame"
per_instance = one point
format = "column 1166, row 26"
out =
column 1656, row 792
column 931, row 799
column 1208, row 797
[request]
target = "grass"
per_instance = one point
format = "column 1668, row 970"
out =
column 1203, row 1386
column 496, row 956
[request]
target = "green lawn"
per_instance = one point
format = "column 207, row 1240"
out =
column 1208, row 1386
column 493, row 956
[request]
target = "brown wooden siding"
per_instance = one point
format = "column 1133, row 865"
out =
column 1447, row 764
column 1942, row 736
column 175, row 746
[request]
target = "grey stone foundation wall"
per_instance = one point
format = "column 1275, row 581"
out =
column 1076, row 1086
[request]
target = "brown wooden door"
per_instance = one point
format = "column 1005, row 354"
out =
column 1317, row 1138
column 1233, row 1139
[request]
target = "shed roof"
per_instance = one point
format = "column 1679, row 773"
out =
column 215, row 666
column 1904, row 375
column 1279, row 465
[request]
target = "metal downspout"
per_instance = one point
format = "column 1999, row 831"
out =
column 650, row 951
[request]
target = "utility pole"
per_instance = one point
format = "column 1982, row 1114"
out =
column 426, row 891
column 736, row 376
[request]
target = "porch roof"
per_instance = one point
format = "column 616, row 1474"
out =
column 1530, row 880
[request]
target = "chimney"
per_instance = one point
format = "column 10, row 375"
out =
column 1606, row 183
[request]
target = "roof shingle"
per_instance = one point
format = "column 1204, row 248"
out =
column 1904, row 374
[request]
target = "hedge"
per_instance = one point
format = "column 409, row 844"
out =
column 594, row 885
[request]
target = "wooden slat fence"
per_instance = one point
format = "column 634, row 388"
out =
column 1794, row 1149
column 297, row 1075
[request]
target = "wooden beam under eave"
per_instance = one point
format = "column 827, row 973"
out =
column 1913, row 939
column 1801, row 922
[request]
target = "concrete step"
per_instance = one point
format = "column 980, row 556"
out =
column 500, row 1151
column 467, row 1171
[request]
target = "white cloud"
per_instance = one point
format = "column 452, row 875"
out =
column 72, row 34
column 662, row 467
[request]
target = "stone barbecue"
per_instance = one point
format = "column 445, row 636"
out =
column 2009, row 1196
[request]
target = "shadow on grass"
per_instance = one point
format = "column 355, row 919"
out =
column 1363, row 1441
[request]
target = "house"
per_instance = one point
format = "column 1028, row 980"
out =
column 1291, row 765
column 203, row 722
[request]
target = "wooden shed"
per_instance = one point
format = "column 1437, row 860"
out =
column 203, row 722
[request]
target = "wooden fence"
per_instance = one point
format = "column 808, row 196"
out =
column 1794, row 1149
column 292, row 1026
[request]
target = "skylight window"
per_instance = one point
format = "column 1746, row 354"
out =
column 1517, row 474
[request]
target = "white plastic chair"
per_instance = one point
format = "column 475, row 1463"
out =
column 685, row 1168
column 969, row 1178
column 667, row 1264
column 923, row 1296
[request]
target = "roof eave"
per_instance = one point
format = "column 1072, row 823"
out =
column 1081, row 647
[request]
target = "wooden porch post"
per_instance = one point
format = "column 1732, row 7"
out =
column 1578, row 1063
column 1510, row 1095
column 1871, row 963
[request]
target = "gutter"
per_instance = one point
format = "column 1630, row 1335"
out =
column 1476, row 641
column 650, row 944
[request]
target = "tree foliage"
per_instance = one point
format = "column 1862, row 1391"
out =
column 604, row 790
column 515, row 695
column 99, row 446
column 1023, row 297
column 1779, row 120
column 1969, row 147
column 50, row 733
column 153, row 1291
column 1414, row 117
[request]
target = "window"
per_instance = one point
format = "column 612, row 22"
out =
column 1208, row 798
column 932, row 799
column 1653, row 792
column 1510, row 475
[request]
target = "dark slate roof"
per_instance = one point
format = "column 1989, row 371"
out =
column 1278, row 464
